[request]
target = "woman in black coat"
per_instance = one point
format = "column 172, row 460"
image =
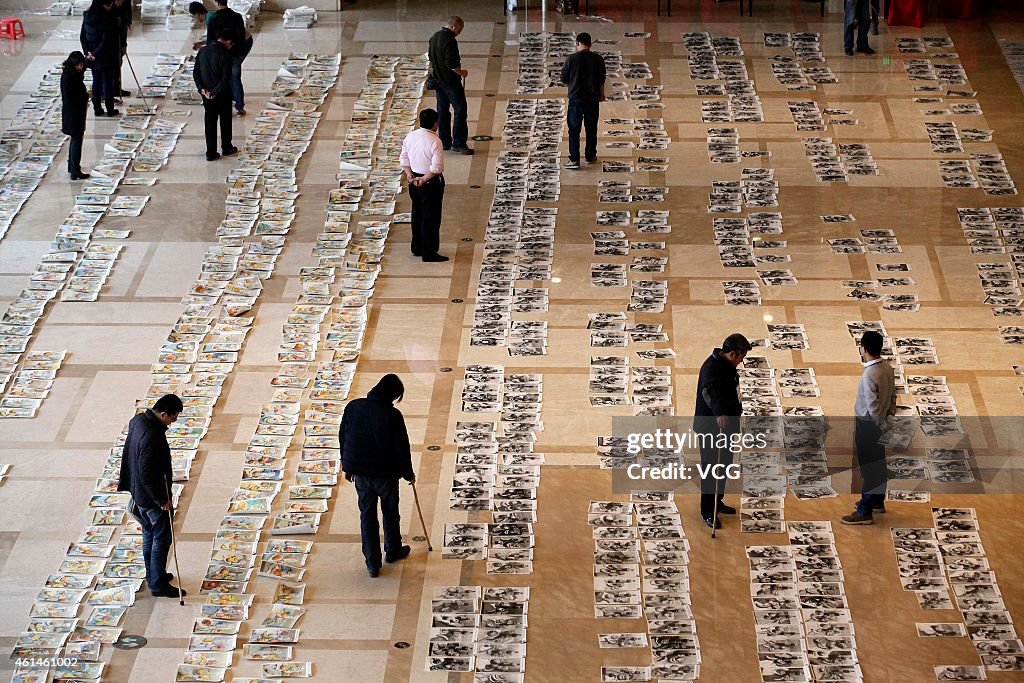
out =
column 101, row 43
column 74, row 101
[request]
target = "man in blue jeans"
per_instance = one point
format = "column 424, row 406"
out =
column 375, row 454
column 450, row 86
column 876, row 401
column 146, row 474
column 584, row 73
column 857, row 12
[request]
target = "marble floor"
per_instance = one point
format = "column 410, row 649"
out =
column 421, row 317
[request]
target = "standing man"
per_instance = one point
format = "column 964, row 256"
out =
column 450, row 85
column 212, row 74
column 856, row 12
column 101, row 45
column 225, row 20
column 123, row 12
column 584, row 73
column 375, row 454
column 200, row 13
column 146, row 474
column 422, row 160
column 876, row 401
column 718, row 413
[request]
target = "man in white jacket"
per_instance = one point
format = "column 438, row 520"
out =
column 876, row 401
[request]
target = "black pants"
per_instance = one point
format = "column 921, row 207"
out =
column 370, row 490
column 871, row 459
column 711, row 456
column 583, row 113
column 427, row 201
column 103, row 86
column 452, row 133
column 219, row 108
column 75, row 155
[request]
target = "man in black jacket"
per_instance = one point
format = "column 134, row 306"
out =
column 101, row 45
column 375, row 454
column 212, row 74
column 584, row 73
column 146, row 474
column 718, row 413
column 450, row 88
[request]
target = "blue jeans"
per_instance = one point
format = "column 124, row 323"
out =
column 856, row 11
column 371, row 490
column 871, row 458
column 237, row 91
column 75, row 154
column 451, row 101
column 583, row 113
column 156, row 542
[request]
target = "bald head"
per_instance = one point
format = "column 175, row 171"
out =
column 456, row 24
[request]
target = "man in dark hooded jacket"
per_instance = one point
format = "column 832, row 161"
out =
column 375, row 454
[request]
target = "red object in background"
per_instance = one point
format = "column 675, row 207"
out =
column 10, row 27
column 907, row 13
column 958, row 9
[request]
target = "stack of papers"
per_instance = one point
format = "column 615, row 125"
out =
column 299, row 17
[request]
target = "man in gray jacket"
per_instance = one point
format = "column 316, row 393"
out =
column 876, row 401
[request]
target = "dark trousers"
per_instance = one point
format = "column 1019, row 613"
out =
column 156, row 542
column 75, row 155
column 237, row 91
column 706, row 426
column 583, row 113
column 856, row 11
column 371, row 490
column 452, row 134
column 217, row 109
column 427, row 201
column 103, row 86
column 871, row 458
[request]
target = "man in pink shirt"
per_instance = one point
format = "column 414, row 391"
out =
column 422, row 160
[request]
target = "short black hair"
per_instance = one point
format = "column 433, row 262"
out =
column 195, row 8
column 428, row 118
column 584, row 39
column 736, row 342
column 168, row 403
column 872, row 342
column 389, row 388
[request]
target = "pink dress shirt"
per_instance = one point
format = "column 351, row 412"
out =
column 423, row 152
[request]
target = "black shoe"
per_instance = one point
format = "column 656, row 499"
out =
column 168, row 591
column 113, row 112
column 572, row 165
column 591, row 160
column 416, row 253
column 399, row 554
column 724, row 509
column 168, row 577
column 373, row 572
column 713, row 523
column 80, row 176
column 856, row 518
column 849, row 53
column 239, row 111
column 126, row 93
column 229, row 151
column 212, row 156
column 436, row 258
column 878, row 509
column 98, row 111
column 446, row 147
column 462, row 149
column 866, row 51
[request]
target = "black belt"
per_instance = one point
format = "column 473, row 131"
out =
column 420, row 175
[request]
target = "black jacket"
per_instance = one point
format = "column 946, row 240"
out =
column 584, row 73
column 100, row 35
column 74, row 101
column 213, row 70
column 227, row 21
column 443, row 52
column 374, row 441
column 146, row 461
column 720, row 382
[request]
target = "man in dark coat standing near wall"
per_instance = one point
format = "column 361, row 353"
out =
column 718, row 413
column 584, row 74
column 375, row 454
column 212, row 74
column 450, row 86
column 146, row 474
